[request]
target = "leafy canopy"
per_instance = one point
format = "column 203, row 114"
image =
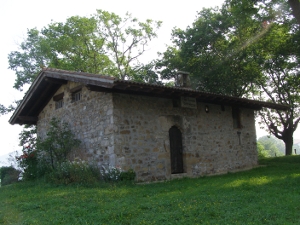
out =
column 214, row 50
column 245, row 48
column 104, row 43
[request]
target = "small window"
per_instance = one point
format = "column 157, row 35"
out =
column 236, row 116
column 76, row 93
column 59, row 100
column 76, row 96
column 59, row 104
column 176, row 103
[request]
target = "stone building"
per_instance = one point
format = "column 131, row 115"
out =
column 159, row 132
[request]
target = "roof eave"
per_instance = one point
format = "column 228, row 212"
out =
column 54, row 78
column 26, row 98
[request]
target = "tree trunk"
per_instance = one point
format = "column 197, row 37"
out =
column 289, row 147
column 288, row 141
column 295, row 5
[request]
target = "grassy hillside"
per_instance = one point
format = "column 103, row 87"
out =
column 265, row 195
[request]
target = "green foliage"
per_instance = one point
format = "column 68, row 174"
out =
column 265, row 195
column 262, row 152
column 42, row 156
column 48, row 158
column 276, row 50
column 8, row 175
column 59, row 141
column 125, row 40
column 28, row 162
column 274, row 146
column 104, row 43
column 111, row 173
column 75, row 45
column 169, row 62
column 213, row 51
column 127, row 175
column 28, row 62
column 4, row 110
column 76, row 172
column 245, row 48
column 27, row 136
column 146, row 74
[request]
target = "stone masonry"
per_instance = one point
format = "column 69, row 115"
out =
column 132, row 132
column 90, row 119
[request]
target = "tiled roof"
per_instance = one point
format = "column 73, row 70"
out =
column 49, row 80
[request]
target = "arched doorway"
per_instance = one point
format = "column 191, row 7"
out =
column 176, row 150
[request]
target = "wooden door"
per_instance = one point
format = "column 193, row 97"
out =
column 176, row 150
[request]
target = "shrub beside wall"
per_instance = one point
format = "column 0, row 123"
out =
column 9, row 175
column 49, row 159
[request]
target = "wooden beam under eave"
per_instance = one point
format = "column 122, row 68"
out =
column 28, row 118
column 42, row 99
column 98, row 88
column 55, row 81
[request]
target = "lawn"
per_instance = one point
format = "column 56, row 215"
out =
column 265, row 195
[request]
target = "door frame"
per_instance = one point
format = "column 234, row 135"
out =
column 176, row 150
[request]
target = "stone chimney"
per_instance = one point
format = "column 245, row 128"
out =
column 182, row 79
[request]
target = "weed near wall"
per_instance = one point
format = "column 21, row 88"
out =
column 74, row 172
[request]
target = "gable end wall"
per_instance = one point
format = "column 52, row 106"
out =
column 90, row 119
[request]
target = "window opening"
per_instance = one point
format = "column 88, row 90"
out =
column 236, row 116
column 59, row 100
column 76, row 96
column 76, row 93
column 59, row 104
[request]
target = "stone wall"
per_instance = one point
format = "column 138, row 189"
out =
column 210, row 143
column 91, row 120
column 132, row 131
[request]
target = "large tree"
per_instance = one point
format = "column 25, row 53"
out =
column 126, row 39
column 280, row 83
column 277, row 53
column 244, row 48
column 103, row 43
column 72, row 45
column 214, row 51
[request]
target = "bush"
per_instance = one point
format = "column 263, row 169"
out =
column 127, row 175
column 40, row 157
column 116, row 174
column 111, row 173
column 262, row 152
column 28, row 162
column 60, row 141
column 48, row 158
column 9, row 175
column 75, row 172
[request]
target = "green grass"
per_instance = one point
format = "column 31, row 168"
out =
column 265, row 195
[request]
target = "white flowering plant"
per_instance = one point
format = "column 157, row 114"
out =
column 111, row 173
